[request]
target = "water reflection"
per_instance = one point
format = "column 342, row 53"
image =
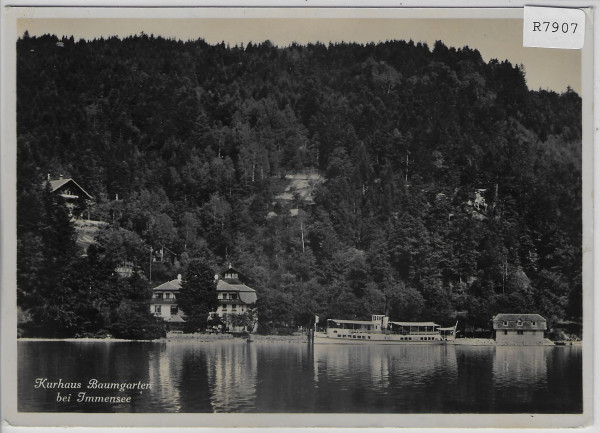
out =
column 162, row 371
column 513, row 365
column 233, row 376
column 211, row 377
column 389, row 379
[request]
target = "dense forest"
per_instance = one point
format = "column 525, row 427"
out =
column 448, row 189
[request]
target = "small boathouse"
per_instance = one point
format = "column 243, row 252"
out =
column 519, row 329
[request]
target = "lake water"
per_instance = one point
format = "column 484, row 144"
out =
column 235, row 376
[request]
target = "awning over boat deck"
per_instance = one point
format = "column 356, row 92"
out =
column 451, row 328
column 354, row 322
column 419, row 324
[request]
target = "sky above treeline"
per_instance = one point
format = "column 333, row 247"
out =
column 551, row 69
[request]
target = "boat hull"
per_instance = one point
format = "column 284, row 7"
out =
column 320, row 338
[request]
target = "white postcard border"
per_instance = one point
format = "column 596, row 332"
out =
column 8, row 235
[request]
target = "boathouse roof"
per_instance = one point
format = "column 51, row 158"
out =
column 519, row 321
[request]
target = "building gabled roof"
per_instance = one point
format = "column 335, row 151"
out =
column 173, row 285
column 246, row 294
column 59, row 183
column 510, row 316
column 223, row 285
column 519, row 322
column 248, row 297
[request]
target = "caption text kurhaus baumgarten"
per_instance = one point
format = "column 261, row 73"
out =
column 83, row 395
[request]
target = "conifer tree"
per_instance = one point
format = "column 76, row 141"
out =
column 198, row 295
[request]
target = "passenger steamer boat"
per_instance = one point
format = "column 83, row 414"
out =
column 381, row 330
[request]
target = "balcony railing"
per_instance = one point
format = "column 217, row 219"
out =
column 162, row 301
column 230, row 301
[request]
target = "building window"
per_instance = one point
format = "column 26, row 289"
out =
column 505, row 332
column 505, row 323
column 174, row 309
column 533, row 323
column 157, row 308
column 159, row 296
column 519, row 322
column 520, row 332
column 167, row 295
column 233, row 296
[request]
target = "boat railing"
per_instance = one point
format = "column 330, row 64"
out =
column 413, row 332
column 386, row 332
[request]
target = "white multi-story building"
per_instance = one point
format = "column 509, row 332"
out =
column 236, row 303
column 164, row 303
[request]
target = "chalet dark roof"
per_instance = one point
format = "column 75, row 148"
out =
column 519, row 321
column 57, row 184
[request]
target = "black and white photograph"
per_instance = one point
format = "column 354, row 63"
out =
column 246, row 213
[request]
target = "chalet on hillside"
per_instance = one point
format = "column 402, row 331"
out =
column 71, row 192
column 77, row 201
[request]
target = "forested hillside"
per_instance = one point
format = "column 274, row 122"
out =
column 449, row 186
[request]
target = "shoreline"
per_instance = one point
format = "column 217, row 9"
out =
column 196, row 338
column 208, row 338
column 492, row 342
